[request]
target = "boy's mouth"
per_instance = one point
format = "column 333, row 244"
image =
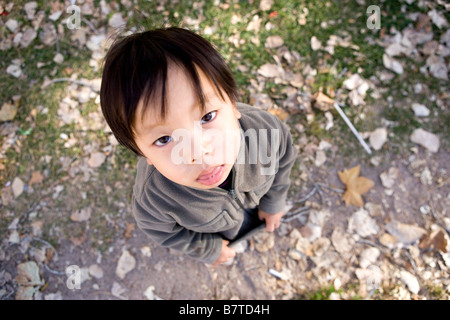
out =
column 211, row 176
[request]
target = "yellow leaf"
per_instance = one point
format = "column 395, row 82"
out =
column 356, row 186
column 280, row 113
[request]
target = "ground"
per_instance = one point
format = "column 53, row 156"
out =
column 66, row 184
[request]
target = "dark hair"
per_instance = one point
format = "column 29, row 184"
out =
column 136, row 68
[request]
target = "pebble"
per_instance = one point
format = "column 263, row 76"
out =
column 420, row 110
column 392, row 64
column 274, row 42
column 410, row 281
column 341, row 241
column 368, row 257
column 361, row 223
column 125, row 264
column 315, row 43
column 17, row 187
column 378, row 138
column 426, row 139
column 405, row 233
column 388, row 177
column 96, row 271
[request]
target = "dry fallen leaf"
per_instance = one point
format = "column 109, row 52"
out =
column 356, row 186
column 280, row 113
column 436, row 240
column 322, row 101
column 129, row 229
column 36, row 177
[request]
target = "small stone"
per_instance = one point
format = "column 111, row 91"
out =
column 405, row 233
column 81, row 215
column 17, row 186
column 14, row 70
column 117, row 21
column 425, row 177
column 264, row 241
column 392, row 64
column 268, row 70
column 311, row 231
column 146, row 251
column 378, row 138
column 28, row 36
column 320, row 246
column 303, row 246
column 420, row 110
column 96, row 271
column 59, row 58
column 274, row 42
column 388, row 177
column 426, row 139
column 362, row 223
column 96, row 159
column 321, row 158
column 266, row 5
column 150, row 294
column 410, row 281
column 30, row 9
column 388, row 240
column 375, row 210
column 368, row 257
column 341, row 240
column 12, row 25
column 8, row 111
column 125, row 264
column 315, row 43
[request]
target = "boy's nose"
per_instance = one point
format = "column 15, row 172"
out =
column 203, row 149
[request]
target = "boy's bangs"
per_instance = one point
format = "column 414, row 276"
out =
column 155, row 92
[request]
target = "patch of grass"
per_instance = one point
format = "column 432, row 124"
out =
column 321, row 294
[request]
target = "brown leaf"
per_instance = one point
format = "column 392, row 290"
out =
column 129, row 229
column 435, row 240
column 280, row 113
column 79, row 240
column 322, row 101
column 356, row 186
column 36, row 177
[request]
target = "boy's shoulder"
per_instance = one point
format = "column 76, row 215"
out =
column 253, row 117
column 146, row 177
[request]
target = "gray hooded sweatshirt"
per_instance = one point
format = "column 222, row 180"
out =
column 194, row 221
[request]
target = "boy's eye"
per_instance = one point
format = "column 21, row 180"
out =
column 163, row 141
column 209, row 117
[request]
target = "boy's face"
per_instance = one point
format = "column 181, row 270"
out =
column 192, row 148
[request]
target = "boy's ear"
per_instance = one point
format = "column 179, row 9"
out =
column 237, row 114
column 149, row 162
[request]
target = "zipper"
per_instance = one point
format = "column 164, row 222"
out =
column 234, row 196
column 231, row 192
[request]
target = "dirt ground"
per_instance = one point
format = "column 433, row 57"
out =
column 164, row 274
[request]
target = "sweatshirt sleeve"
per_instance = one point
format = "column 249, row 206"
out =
column 275, row 199
column 165, row 231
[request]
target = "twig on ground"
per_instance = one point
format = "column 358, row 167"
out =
column 352, row 128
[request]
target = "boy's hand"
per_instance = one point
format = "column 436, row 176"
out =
column 273, row 221
column 226, row 254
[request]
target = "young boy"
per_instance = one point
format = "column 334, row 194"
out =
column 211, row 168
